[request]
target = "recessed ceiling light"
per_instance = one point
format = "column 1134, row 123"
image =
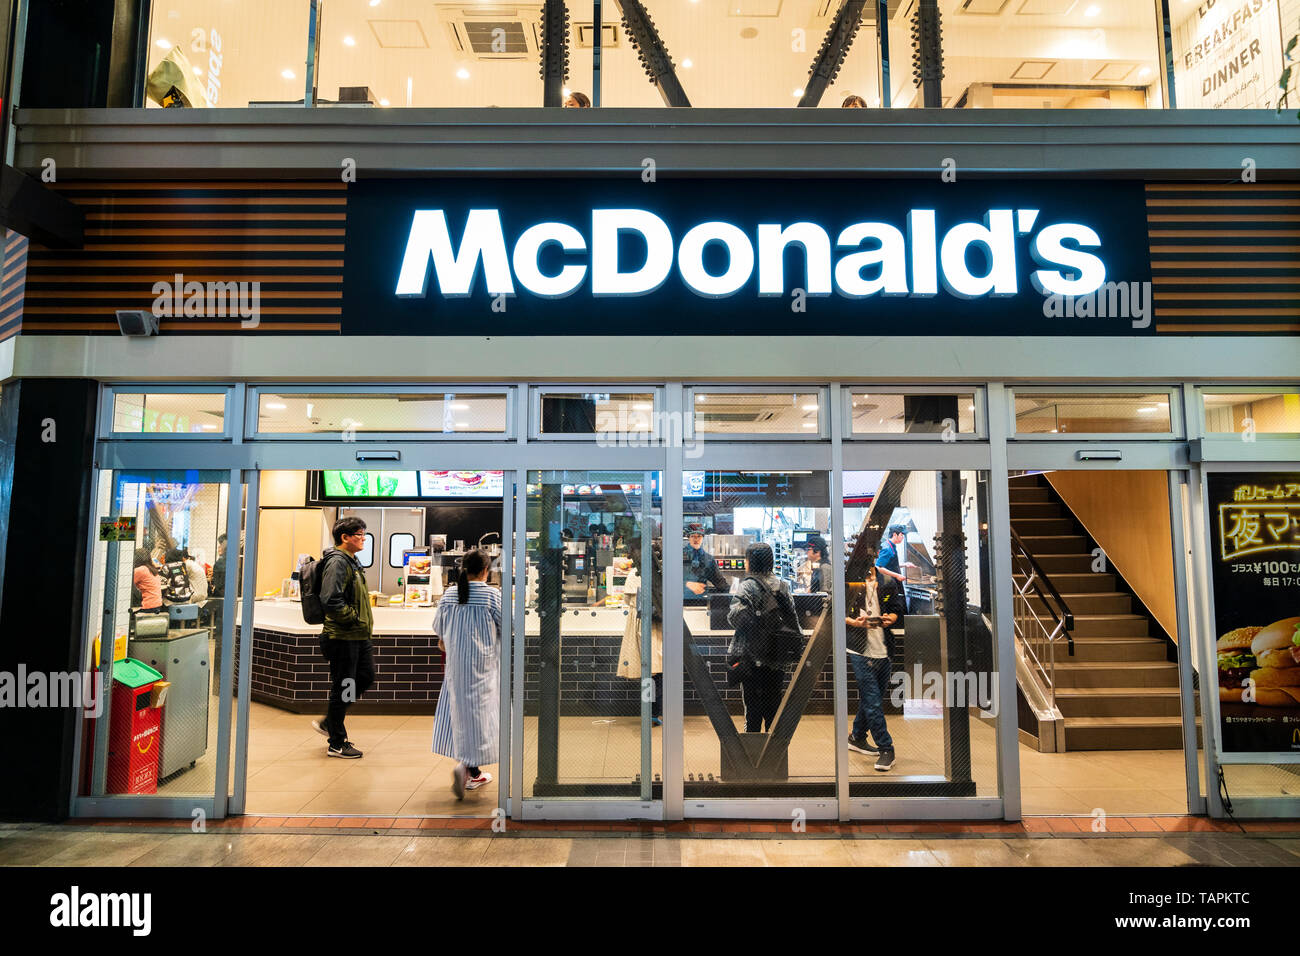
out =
column 277, row 406
column 462, row 73
column 349, row 41
column 287, row 74
column 1145, row 71
column 798, row 92
column 809, row 424
column 198, row 71
column 566, row 91
column 163, row 43
column 687, row 64
column 374, row 3
column 810, row 408
column 208, row 428
column 383, row 102
column 1092, row 11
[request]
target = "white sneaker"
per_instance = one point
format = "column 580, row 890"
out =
column 458, row 780
column 482, row 780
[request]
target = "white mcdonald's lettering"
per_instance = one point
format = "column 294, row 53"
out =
column 875, row 257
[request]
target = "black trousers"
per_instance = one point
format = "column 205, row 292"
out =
column 760, row 689
column 352, row 673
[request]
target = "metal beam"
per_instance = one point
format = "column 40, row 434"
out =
column 835, row 48
column 927, row 53
column 31, row 208
column 652, row 52
column 555, row 51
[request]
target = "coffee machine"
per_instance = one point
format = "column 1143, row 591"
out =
column 576, row 571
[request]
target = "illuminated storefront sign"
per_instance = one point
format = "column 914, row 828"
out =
column 754, row 257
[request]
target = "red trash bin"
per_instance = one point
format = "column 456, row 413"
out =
column 134, row 729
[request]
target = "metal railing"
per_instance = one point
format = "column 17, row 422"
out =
column 1039, row 634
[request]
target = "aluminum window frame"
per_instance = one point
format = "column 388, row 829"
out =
column 978, row 391
column 108, row 403
column 256, row 391
column 821, row 389
column 536, row 392
column 1177, row 428
column 1199, row 409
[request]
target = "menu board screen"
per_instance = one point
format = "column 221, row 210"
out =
column 369, row 484
column 1255, row 563
column 461, row 484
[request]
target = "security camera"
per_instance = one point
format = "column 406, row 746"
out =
column 137, row 322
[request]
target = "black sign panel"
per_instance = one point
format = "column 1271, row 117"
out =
column 1255, row 557
column 746, row 257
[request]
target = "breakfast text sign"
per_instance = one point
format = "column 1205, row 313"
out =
column 1255, row 561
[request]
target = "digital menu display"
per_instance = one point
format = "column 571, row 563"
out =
column 369, row 484
column 461, row 484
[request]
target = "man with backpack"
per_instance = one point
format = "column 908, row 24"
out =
column 880, row 608
column 345, row 637
column 767, row 638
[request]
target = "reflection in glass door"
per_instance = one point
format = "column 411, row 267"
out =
column 757, row 636
column 153, row 636
column 592, row 646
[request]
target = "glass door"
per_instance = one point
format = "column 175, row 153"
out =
column 156, row 740
column 589, row 671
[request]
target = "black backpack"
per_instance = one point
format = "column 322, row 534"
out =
column 780, row 640
column 309, row 585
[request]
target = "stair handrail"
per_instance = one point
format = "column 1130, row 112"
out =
column 1039, row 641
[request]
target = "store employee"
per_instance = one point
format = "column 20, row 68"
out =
column 699, row 569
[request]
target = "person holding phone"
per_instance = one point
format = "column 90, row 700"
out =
column 871, row 649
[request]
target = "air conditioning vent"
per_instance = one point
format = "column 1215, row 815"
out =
column 611, row 34
column 504, row 32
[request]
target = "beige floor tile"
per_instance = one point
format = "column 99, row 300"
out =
column 973, row 853
column 723, row 853
column 273, row 849
column 1119, row 802
column 1035, row 800
column 359, row 851
column 374, row 802
column 297, row 775
column 277, row 801
column 809, row 852
column 443, row 851
column 442, row 802
column 105, row 849
column 527, row 851
column 34, row 848
column 359, row 775
column 889, row 853
column 189, row 849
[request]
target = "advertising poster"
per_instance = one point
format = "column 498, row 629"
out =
column 417, row 574
column 1255, row 568
column 1227, row 55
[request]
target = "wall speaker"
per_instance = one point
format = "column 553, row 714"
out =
column 137, row 322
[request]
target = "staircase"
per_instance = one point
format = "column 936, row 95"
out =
column 1118, row 691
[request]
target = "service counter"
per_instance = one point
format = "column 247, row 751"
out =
column 289, row 672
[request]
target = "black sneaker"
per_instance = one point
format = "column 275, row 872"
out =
column 885, row 761
column 347, row 751
column 860, row 745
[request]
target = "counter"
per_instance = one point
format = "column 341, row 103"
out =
column 289, row 672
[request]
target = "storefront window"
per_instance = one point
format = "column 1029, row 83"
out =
column 768, row 413
column 893, row 413
column 1051, row 54
column 226, row 53
column 758, row 635
column 1228, row 55
column 595, row 413
column 922, row 685
column 156, row 735
column 1100, row 413
column 1252, row 413
column 593, row 637
column 169, row 413
column 325, row 413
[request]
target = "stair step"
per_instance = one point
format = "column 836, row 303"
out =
column 1056, row 544
column 1034, row 527
column 1110, row 625
column 1034, row 509
column 1123, row 733
column 1023, row 493
column 1099, row 649
column 1087, row 602
column 1117, row 674
column 1075, row 582
column 1118, row 701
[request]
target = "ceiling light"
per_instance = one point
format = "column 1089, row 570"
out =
column 383, row 102
column 462, row 73
column 1148, row 409
column 374, row 3
column 687, row 64
column 809, row 424
column 1092, row 11
column 970, row 408
column 287, row 74
column 459, row 406
column 810, row 408
column 276, row 406
column 566, row 91
column 797, row 92
column 643, row 407
column 349, row 41
column 208, row 428
column 198, row 71
column 163, row 43
column 462, row 424
column 1145, row 71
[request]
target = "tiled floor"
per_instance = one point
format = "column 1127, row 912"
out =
column 472, row 843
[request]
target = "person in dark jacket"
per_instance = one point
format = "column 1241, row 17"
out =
column 345, row 638
column 699, row 569
column 754, row 653
column 879, row 609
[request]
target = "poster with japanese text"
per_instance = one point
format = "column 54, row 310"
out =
column 1255, row 566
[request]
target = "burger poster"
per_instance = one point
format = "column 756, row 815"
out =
column 1255, row 561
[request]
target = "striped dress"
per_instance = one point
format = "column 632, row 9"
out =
column 466, row 724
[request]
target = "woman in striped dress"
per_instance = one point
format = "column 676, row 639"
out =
column 468, row 626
